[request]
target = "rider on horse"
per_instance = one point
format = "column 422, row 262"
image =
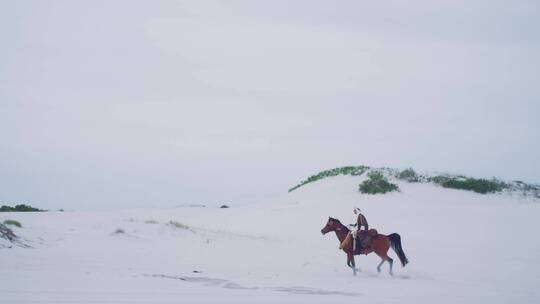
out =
column 362, row 235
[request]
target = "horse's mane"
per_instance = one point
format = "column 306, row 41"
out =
column 337, row 221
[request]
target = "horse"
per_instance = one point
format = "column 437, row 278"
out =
column 380, row 245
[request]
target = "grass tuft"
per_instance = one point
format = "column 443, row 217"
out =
column 119, row 231
column 179, row 225
column 12, row 223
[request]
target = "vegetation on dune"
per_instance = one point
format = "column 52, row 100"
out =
column 377, row 183
column 409, row 175
column 7, row 233
column 12, row 223
column 350, row 170
column 524, row 188
column 478, row 185
column 19, row 208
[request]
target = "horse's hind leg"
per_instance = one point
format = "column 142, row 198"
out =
column 391, row 262
column 381, row 249
column 385, row 258
column 388, row 259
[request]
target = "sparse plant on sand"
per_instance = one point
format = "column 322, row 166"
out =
column 179, row 225
column 119, row 231
column 12, row 223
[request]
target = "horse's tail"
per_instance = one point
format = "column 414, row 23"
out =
column 395, row 242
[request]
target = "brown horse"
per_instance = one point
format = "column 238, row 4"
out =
column 380, row 245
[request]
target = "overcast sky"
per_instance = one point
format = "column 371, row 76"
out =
column 118, row 104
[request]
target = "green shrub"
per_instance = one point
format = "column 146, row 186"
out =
column 409, row 175
column 478, row 185
column 12, row 223
column 19, row 208
column 377, row 183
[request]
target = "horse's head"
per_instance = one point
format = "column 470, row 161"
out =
column 331, row 225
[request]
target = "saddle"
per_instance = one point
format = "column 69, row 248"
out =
column 364, row 240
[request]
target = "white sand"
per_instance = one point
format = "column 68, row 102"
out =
column 463, row 248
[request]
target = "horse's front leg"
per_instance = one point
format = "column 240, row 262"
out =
column 351, row 263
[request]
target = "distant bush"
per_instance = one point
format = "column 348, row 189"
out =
column 478, row 185
column 19, row 208
column 377, row 183
column 13, row 223
column 119, row 231
column 409, row 175
column 150, row 222
column 224, row 206
column 350, row 170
